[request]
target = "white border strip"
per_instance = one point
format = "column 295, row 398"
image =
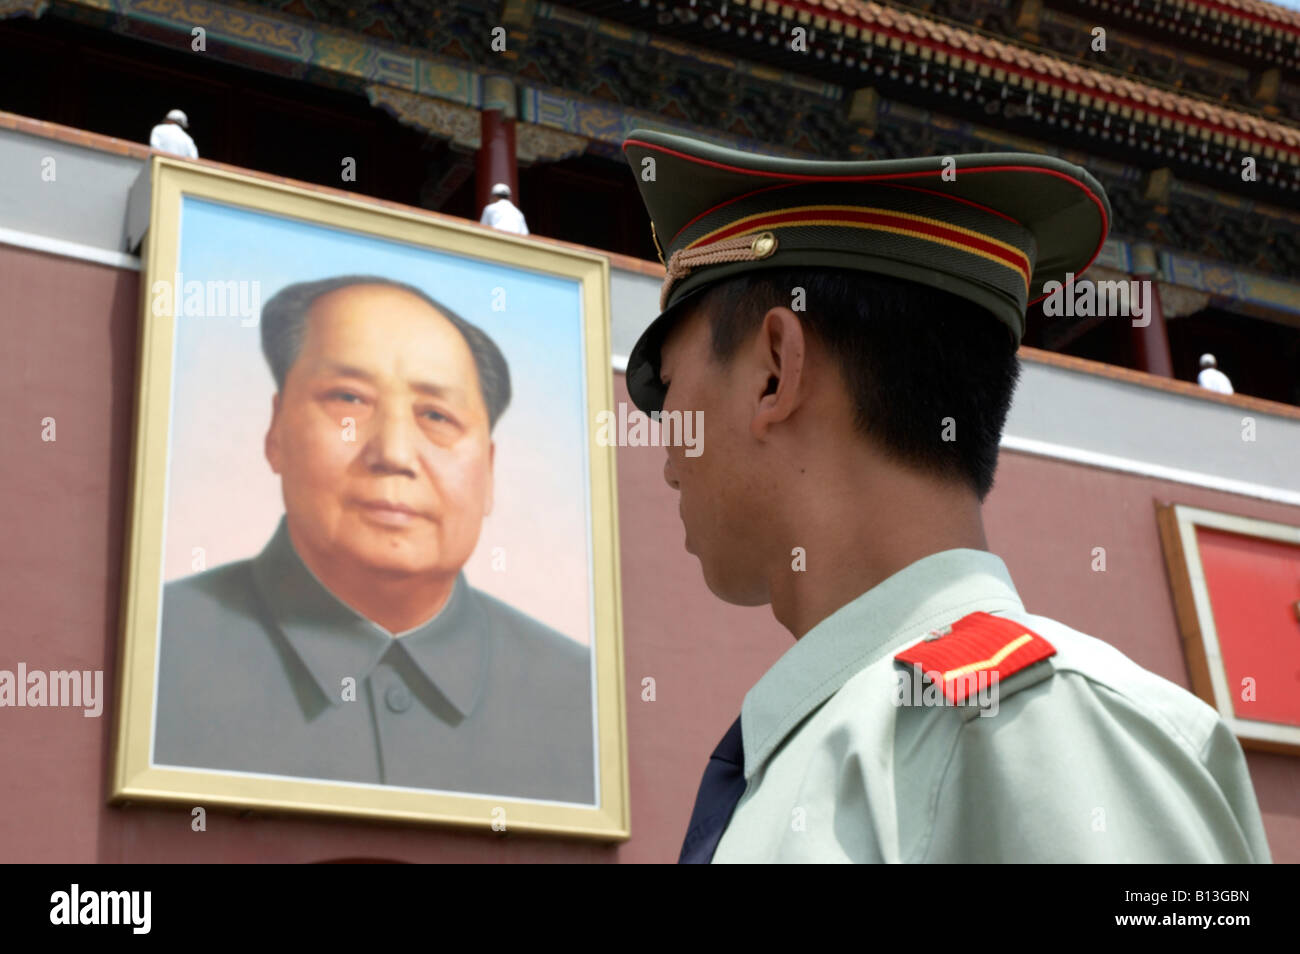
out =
column 1222, row 701
column 1159, row 471
column 53, row 246
column 1077, row 455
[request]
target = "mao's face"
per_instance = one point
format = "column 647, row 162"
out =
column 380, row 437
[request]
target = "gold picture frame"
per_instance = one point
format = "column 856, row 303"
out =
column 1178, row 525
column 173, row 188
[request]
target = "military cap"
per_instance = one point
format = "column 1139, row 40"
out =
column 992, row 228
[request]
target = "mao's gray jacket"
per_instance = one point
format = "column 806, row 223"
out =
column 254, row 668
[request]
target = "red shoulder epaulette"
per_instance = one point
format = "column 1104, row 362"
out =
column 980, row 642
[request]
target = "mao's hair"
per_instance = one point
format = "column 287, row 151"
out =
column 284, row 324
column 910, row 356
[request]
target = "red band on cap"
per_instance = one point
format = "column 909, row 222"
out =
column 883, row 220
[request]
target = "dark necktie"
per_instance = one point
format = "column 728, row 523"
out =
column 720, row 790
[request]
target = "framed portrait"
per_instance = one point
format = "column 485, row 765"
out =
column 1236, row 586
column 372, row 564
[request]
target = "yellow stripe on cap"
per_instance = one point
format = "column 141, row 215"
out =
column 875, row 219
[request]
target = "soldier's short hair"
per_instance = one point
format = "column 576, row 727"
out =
column 910, row 356
column 284, row 324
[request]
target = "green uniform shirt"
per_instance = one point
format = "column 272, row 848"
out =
column 1083, row 757
column 480, row 699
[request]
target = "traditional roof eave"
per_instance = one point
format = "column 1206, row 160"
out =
column 1250, row 11
column 973, row 52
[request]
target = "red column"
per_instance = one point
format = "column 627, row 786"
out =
column 496, row 157
column 1151, row 342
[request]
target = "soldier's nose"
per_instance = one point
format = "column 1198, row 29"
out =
column 669, row 479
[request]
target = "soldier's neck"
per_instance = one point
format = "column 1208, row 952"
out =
column 850, row 552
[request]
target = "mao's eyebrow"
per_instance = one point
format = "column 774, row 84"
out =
column 436, row 390
column 346, row 370
column 424, row 387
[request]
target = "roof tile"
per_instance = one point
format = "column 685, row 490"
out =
column 1268, row 11
column 1042, row 66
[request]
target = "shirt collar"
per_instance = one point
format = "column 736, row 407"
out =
column 932, row 592
column 334, row 641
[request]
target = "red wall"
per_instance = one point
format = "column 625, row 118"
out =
column 67, row 356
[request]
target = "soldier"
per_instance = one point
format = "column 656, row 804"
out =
column 1211, row 378
column 171, row 135
column 849, row 332
column 502, row 214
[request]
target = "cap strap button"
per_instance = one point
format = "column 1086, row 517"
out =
column 763, row 245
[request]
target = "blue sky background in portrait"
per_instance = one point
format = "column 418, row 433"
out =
column 222, row 495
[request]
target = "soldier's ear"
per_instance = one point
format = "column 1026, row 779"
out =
column 492, row 456
column 775, row 369
column 272, row 442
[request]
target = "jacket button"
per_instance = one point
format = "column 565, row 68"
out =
column 397, row 698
